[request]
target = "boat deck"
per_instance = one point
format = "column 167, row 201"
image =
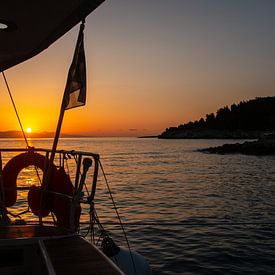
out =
column 30, row 231
column 74, row 255
column 62, row 252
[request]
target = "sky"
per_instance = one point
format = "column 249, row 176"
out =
column 151, row 64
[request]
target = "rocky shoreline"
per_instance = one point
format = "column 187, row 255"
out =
column 263, row 146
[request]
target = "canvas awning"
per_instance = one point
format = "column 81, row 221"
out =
column 29, row 27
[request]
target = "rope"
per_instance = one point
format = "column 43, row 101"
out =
column 8, row 88
column 118, row 216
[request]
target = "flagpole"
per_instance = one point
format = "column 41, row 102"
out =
column 48, row 174
column 64, row 106
column 61, row 116
column 56, row 137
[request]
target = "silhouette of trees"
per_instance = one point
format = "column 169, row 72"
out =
column 256, row 114
column 210, row 121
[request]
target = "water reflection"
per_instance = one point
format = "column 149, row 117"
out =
column 187, row 211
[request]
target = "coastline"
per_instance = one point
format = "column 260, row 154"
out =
column 211, row 134
column 262, row 147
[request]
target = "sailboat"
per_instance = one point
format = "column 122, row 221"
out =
column 41, row 233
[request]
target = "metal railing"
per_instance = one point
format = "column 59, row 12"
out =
column 77, row 162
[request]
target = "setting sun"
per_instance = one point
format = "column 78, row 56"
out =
column 29, row 130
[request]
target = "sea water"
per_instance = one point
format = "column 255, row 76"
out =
column 187, row 212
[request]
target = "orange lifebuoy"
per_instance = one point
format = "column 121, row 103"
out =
column 60, row 183
column 13, row 168
column 57, row 204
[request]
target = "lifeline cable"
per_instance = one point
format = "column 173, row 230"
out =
column 8, row 88
column 118, row 216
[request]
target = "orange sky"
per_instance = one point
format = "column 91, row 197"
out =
column 151, row 65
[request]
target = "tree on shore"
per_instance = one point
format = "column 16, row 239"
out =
column 257, row 114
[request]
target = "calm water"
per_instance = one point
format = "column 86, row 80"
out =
column 187, row 212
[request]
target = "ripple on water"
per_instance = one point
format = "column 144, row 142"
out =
column 195, row 203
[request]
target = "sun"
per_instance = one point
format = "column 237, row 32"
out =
column 29, row 130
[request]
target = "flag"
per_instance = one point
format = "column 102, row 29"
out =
column 75, row 90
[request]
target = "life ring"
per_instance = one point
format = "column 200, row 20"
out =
column 61, row 183
column 59, row 205
column 14, row 166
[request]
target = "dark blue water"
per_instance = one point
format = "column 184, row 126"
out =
column 186, row 211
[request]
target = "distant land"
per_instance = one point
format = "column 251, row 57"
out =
column 246, row 120
column 148, row 136
column 263, row 146
column 18, row 134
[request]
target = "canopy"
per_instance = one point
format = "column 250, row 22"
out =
column 29, row 27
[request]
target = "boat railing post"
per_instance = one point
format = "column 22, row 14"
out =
column 87, row 163
column 2, row 194
column 92, row 196
column 3, row 210
column 77, row 171
column 93, row 189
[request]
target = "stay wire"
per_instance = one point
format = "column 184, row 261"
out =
column 118, row 216
column 18, row 118
column 15, row 109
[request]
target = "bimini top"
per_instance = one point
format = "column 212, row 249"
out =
column 29, row 27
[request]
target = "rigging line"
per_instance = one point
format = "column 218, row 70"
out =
column 16, row 112
column 19, row 120
column 37, row 174
column 118, row 216
column 8, row 88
